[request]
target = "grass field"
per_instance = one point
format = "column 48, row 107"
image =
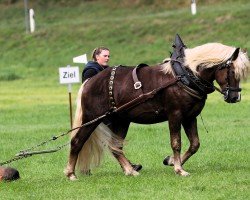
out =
column 34, row 106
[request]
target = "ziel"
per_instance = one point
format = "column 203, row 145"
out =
column 69, row 75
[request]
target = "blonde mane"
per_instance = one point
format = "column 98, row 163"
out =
column 212, row 54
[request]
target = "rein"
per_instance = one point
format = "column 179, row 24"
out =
column 145, row 96
column 29, row 152
column 141, row 98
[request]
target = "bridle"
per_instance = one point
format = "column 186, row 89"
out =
column 226, row 91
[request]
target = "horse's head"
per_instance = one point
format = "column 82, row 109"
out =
column 229, row 82
column 227, row 65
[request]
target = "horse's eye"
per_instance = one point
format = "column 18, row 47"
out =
column 232, row 72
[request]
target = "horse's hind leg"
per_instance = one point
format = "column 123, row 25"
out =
column 76, row 145
column 120, row 128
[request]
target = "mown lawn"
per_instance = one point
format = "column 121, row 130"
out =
column 220, row 169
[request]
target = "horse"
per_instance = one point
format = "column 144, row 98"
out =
column 108, row 102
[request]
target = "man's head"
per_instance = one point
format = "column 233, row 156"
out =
column 8, row 174
column 101, row 55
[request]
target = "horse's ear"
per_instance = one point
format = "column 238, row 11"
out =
column 235, row 54
column 244, row 50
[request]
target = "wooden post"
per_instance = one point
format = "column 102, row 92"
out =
column 70, row 109
column 70, row 103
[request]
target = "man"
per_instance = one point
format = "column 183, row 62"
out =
column 8, row 174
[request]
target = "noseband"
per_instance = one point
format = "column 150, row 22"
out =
column 227, row 65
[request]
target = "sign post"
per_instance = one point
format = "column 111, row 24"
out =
column 69, row 75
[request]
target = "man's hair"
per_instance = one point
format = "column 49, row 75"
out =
column 97, row 51
column 10, row 174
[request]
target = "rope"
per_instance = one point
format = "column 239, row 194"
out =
column 28, row 152
column 203, row 124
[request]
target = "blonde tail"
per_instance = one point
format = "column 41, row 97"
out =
column 102, row 138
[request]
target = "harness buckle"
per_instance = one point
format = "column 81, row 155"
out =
column 137, row 85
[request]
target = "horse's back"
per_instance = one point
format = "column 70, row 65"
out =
column 124, row 90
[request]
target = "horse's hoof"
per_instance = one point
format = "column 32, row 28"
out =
column 185, row 174
column 168, row 161
column 182, row 173
column 72, row 177
column 165, row 161
column 135, row 173
column 132, row 173
column 137, row 167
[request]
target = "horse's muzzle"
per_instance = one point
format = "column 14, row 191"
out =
column 232, row 96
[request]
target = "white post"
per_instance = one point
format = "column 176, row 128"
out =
column 193, row 7
column 32, row 20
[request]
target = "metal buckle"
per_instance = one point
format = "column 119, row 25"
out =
column 137, row 85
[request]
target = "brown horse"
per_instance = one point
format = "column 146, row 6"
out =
column 164, row 96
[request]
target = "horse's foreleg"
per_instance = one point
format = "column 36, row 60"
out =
column 175, row 137
column 76, row 145
column 190, row 128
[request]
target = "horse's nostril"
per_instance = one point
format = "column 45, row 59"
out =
column 235, row 99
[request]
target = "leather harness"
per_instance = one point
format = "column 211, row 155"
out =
column 193, row 85
column 188, row 81
column 142, row 97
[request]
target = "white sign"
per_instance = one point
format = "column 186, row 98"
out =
column 81, row 59
column 69, row 75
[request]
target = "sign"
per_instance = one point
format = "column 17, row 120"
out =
column 81, row 59
column 69, row 75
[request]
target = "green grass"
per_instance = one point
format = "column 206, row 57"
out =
column 34, row 106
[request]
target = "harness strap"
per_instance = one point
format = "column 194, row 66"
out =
column 111, row 93
column 137, row 83
column 190, row 91
column 143, row 97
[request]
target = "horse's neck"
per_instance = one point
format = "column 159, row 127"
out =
column 207, row 74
